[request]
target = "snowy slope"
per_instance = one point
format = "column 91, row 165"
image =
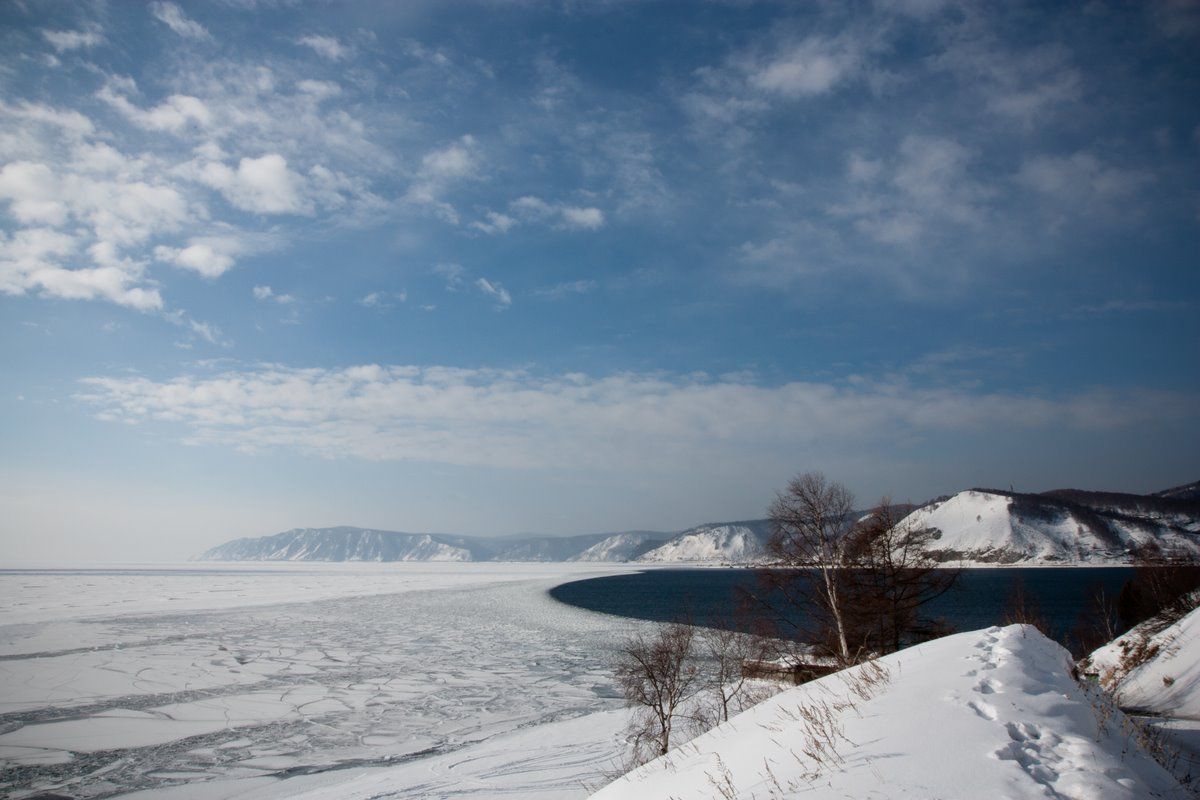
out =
column 985, row 714
column 1168, row 683
column 621, row 547
column 733, row 542
column 1007, row 528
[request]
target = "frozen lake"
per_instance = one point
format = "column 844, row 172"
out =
column 403, row 679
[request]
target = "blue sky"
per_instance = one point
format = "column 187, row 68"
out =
column 564, row 267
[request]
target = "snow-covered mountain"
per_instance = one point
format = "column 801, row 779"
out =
column 988, row 526
column 343, row 544
column 364, row 544
column 1060, row 527
column 730, row 543
column 621, row 546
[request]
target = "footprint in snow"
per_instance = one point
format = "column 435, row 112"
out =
column 988, row 686
column 985, row 710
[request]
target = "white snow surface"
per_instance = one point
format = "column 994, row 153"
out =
column 712, row 543
column 985, row 714
column 982, row 527
column 273, row 680
column 60, row 594
column 1168, row 683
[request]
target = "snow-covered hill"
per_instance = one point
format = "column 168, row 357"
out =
column 342, row 544
column 365, row 544
column 621, row 547
column 986, row 526
column 731, row 542
column 1154, row 671
column 1065, row 527
column 991, row 713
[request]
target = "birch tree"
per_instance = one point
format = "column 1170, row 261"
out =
column 811, row 522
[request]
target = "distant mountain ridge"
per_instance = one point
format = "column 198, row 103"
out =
column 346, row 543
column 976, row 526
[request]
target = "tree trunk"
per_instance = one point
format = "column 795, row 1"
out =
column 835, row 608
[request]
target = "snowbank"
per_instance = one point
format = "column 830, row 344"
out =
column 986, row 714
column 1167, row 682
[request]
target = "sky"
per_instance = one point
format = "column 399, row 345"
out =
column 566, row 267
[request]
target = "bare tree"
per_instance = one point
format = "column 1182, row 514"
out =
column 1025, row 610
column 726, row 650
column 656, row 673
column 810, row 525
column 893, row 578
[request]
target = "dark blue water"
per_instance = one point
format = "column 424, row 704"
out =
column 980, row 598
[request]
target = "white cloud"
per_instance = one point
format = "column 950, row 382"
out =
column 453, row 275
column 325, row 46
column 86, row 216
column 535, row 209
column 198, row 257
column 32, row 192
column 84, row 213
column 73, row 40
column 210, row 256
column 320, row 90
column 71, row 123
column 861, row 169
column 207, row 332
column 441, row 169
column 1026, row 85
column 1080, row 175
column 173, row 17
column 532, row 207
column 588, row 218
column 173, row 114
column 263, row 185
column 811, row 67
column 494, row 223
column 383, row 300
column 495, row 291
column 30, row 261
column 108, row 283
column 655, row 421
column 267, row 293
column 453, row 161
column 926, row 185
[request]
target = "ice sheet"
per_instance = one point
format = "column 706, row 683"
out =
column 452, row 661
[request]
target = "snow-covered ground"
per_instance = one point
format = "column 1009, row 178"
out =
column 987, row 714
column 1167, row 683
column 1162, row 685
column 270, row 680
column 360, row 681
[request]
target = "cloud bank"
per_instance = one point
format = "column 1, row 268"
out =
column 635, row 421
